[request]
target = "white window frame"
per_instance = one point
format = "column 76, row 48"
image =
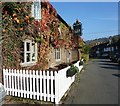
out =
column 31, row 62
column 58, row 54
column 36, row 9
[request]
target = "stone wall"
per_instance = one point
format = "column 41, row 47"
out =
column 64, row 59
column 74, row 55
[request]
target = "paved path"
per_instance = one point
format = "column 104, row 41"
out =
column 98, row 84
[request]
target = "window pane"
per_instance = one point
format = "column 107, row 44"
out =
column 33, row 47
column 37, row 9
column 28, row 46
column 28, row 57
column 33, row 57
column 68, row 54
column 57, row 54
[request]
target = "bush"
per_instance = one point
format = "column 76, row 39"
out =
column 86, row 49
column 72, row 71
column 85, row 57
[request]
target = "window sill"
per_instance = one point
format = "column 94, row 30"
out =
column 27, row 64
column 36, row 19
column 58, row 60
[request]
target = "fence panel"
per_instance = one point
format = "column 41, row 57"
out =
column 40, row 85
column 29, row 84
column 64, row 82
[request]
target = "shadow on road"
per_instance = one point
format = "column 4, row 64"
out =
column 117, row 75
column 109, row 65
column 105, row 61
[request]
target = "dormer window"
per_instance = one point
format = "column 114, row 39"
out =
column 36, row 9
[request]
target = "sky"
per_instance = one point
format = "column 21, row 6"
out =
column 99, row 19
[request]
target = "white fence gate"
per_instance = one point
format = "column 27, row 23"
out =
column 40, row 85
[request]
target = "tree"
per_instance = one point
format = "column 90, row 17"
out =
column 86, row 49
column 114, row 40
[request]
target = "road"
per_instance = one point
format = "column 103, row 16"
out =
column 98, row 84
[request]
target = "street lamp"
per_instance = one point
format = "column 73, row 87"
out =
column 77, row 26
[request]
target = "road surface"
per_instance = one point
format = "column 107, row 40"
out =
column 98, row 84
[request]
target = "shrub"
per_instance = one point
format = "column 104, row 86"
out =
column 85, row 57
column 72, row 71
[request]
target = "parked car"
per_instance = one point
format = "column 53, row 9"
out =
column 2, row 93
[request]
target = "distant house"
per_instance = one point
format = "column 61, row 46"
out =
column 36, row 37
column 104, row 49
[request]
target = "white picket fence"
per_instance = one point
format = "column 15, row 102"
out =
column 40, row 85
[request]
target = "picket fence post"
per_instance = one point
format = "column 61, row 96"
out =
column 56, row 87
column 28, row 89
column 31, row 84
column 18, row 89
column 7, row 82
column 5, row 79
column 37, row 83
column 47, row 87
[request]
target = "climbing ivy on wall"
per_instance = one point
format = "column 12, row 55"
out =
column 17, row 22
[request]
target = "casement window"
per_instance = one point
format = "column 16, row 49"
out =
column 28, row 53
column 68, row 54
column 36, row 9
column 57, row 54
